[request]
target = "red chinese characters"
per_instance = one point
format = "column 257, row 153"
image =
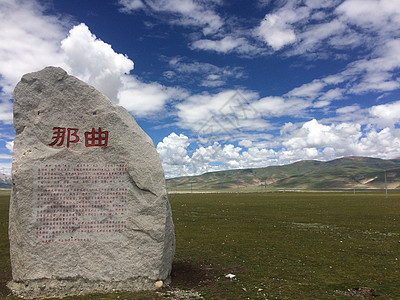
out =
column 96, row 138
column 93, row 138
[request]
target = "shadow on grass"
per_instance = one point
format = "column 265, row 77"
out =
column 207, row 278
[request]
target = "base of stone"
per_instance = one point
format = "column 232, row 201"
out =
column 45, row 288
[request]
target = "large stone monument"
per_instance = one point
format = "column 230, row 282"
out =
column 89, row 208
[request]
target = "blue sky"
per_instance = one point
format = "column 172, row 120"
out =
column 222, row 84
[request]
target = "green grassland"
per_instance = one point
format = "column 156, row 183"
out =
column 279, row 245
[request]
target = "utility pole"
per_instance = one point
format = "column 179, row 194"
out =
column 265, row 186
column 386, row 185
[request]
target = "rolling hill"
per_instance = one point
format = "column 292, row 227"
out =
column 343, row 173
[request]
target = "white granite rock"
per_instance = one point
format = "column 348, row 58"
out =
column 89, row 208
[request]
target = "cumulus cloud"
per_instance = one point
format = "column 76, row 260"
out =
column 174, row 155
column 316, row 29
column 145, row 99
column 312, row 140
column 314, row 134
column 343, row 139
column 230, row 125
column 275, row 32
column 246, row 143
column 173, row 151
column 383, row 143
column 94, row 61
column 30, row 40
column 386, row 114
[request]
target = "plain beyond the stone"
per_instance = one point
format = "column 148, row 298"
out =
column 89, row 208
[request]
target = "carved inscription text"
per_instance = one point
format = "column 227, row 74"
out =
column 80, row 202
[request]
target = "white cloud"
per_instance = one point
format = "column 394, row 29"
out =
column 173, row 154
column 32, row 40
column 225, row 112
column 372, row 14
column 312, row 37
column 255, row 157
column 10, row 146
column 333, row 94
column 386, row 114
column 6, row 111
column 378, row 73
column 383, row 143
column 5, row 168
column 224, row 45
column 212, row 82
column 275, row 32
column 342, row 139
column 209, row 75
column 230, row 113
column 144, row 99
column 29, row 41
column 173, row 150
column 246, row 143
column 131, row 5
column 190, row 13
column 308, row 90
column 312, row 140
column 94, row 61
column 318, row 4
column 307, row 28
column 348, row 109
column 375, row 74
column 278, row 106
column 311, row 134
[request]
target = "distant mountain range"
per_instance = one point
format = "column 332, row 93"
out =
column 343, row 173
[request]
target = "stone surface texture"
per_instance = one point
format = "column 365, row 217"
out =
column 134, row 259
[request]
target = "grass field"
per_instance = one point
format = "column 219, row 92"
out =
column 279, row 245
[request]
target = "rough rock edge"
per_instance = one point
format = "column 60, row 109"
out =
column 47, row 288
